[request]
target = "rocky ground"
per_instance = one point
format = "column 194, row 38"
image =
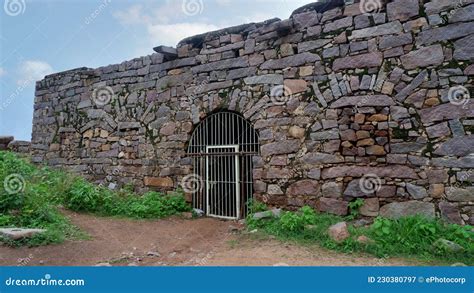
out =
column 178, row 242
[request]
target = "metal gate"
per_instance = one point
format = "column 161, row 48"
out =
column 222, row 148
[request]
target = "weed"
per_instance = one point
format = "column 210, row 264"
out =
column 35, row 204
column 407, row 237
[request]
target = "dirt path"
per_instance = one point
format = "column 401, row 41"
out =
column 177, row 241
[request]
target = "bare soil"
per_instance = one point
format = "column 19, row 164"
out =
column 178, row 242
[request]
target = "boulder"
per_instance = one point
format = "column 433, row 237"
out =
column 370, row 208
column 416, row 192
column 450, row 213
column 281, row 147
column 372, row 59
column 444, row 33
column 332, row 206
column 332, row 189
column 397, row 210
column 460, row 194
column 447, row 246
column 432, row 55
column 339, row 232
column 19, row 233
column 457, row 146
column 402, row 9
column 463, row 49
column 304, row 187
column 275, row 213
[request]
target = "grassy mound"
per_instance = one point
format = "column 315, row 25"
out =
column 30, row 196
column 405, row 237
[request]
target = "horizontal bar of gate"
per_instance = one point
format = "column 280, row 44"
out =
column 221, row 154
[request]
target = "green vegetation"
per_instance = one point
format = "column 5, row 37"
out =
column 406, row 237
column 30, row 197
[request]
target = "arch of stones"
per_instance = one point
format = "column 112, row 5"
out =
column 335, row 94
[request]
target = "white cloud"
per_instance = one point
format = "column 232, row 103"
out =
column 133, row 15
column 223, row 2
column 33, row 70
column 171, row 34
column 158, row 23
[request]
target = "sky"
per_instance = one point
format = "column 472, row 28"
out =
column 39, row 37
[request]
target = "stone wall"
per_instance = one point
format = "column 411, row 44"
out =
column 347, row 105
column 19, row 146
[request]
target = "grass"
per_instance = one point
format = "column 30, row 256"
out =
column 30, row 197
column 410, row 237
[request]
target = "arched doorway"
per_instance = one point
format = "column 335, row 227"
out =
column 222, row 147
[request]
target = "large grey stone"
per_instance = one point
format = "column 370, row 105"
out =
column 457, row 146
column 450, row 212
column 444, row 33
column 355, row 189
column 264, row 79
column 437, row 6
column 395, row 41
column 392, row 171
column 417, row 192
column 281, row 147
column 438, row 130
column 338, row 24
column 6, row 139
column 398, row 210
column 304, row 187
column 380, row 30
column 432, row 55
column 19, row 233
column 402, row 9
column 332, row 189
column 413, row 85
column 446, row 111
column 363, row 101
column 464, row 162
column 311, row 45
column 339, row 232
column 305, row 19
column 325, row 135
column 462, row 14
column 221, row 65
column 370, row 208
column 290, row 61
column 463, row 48
column 447, row 246
column 321, row 158
column 373, row 59
column 332, row 206
column 406, row 147
column 460, row 194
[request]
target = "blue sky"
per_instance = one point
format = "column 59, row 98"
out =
column 41, row 37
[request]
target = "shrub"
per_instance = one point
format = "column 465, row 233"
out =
column 35, row 205
column 408, row 237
